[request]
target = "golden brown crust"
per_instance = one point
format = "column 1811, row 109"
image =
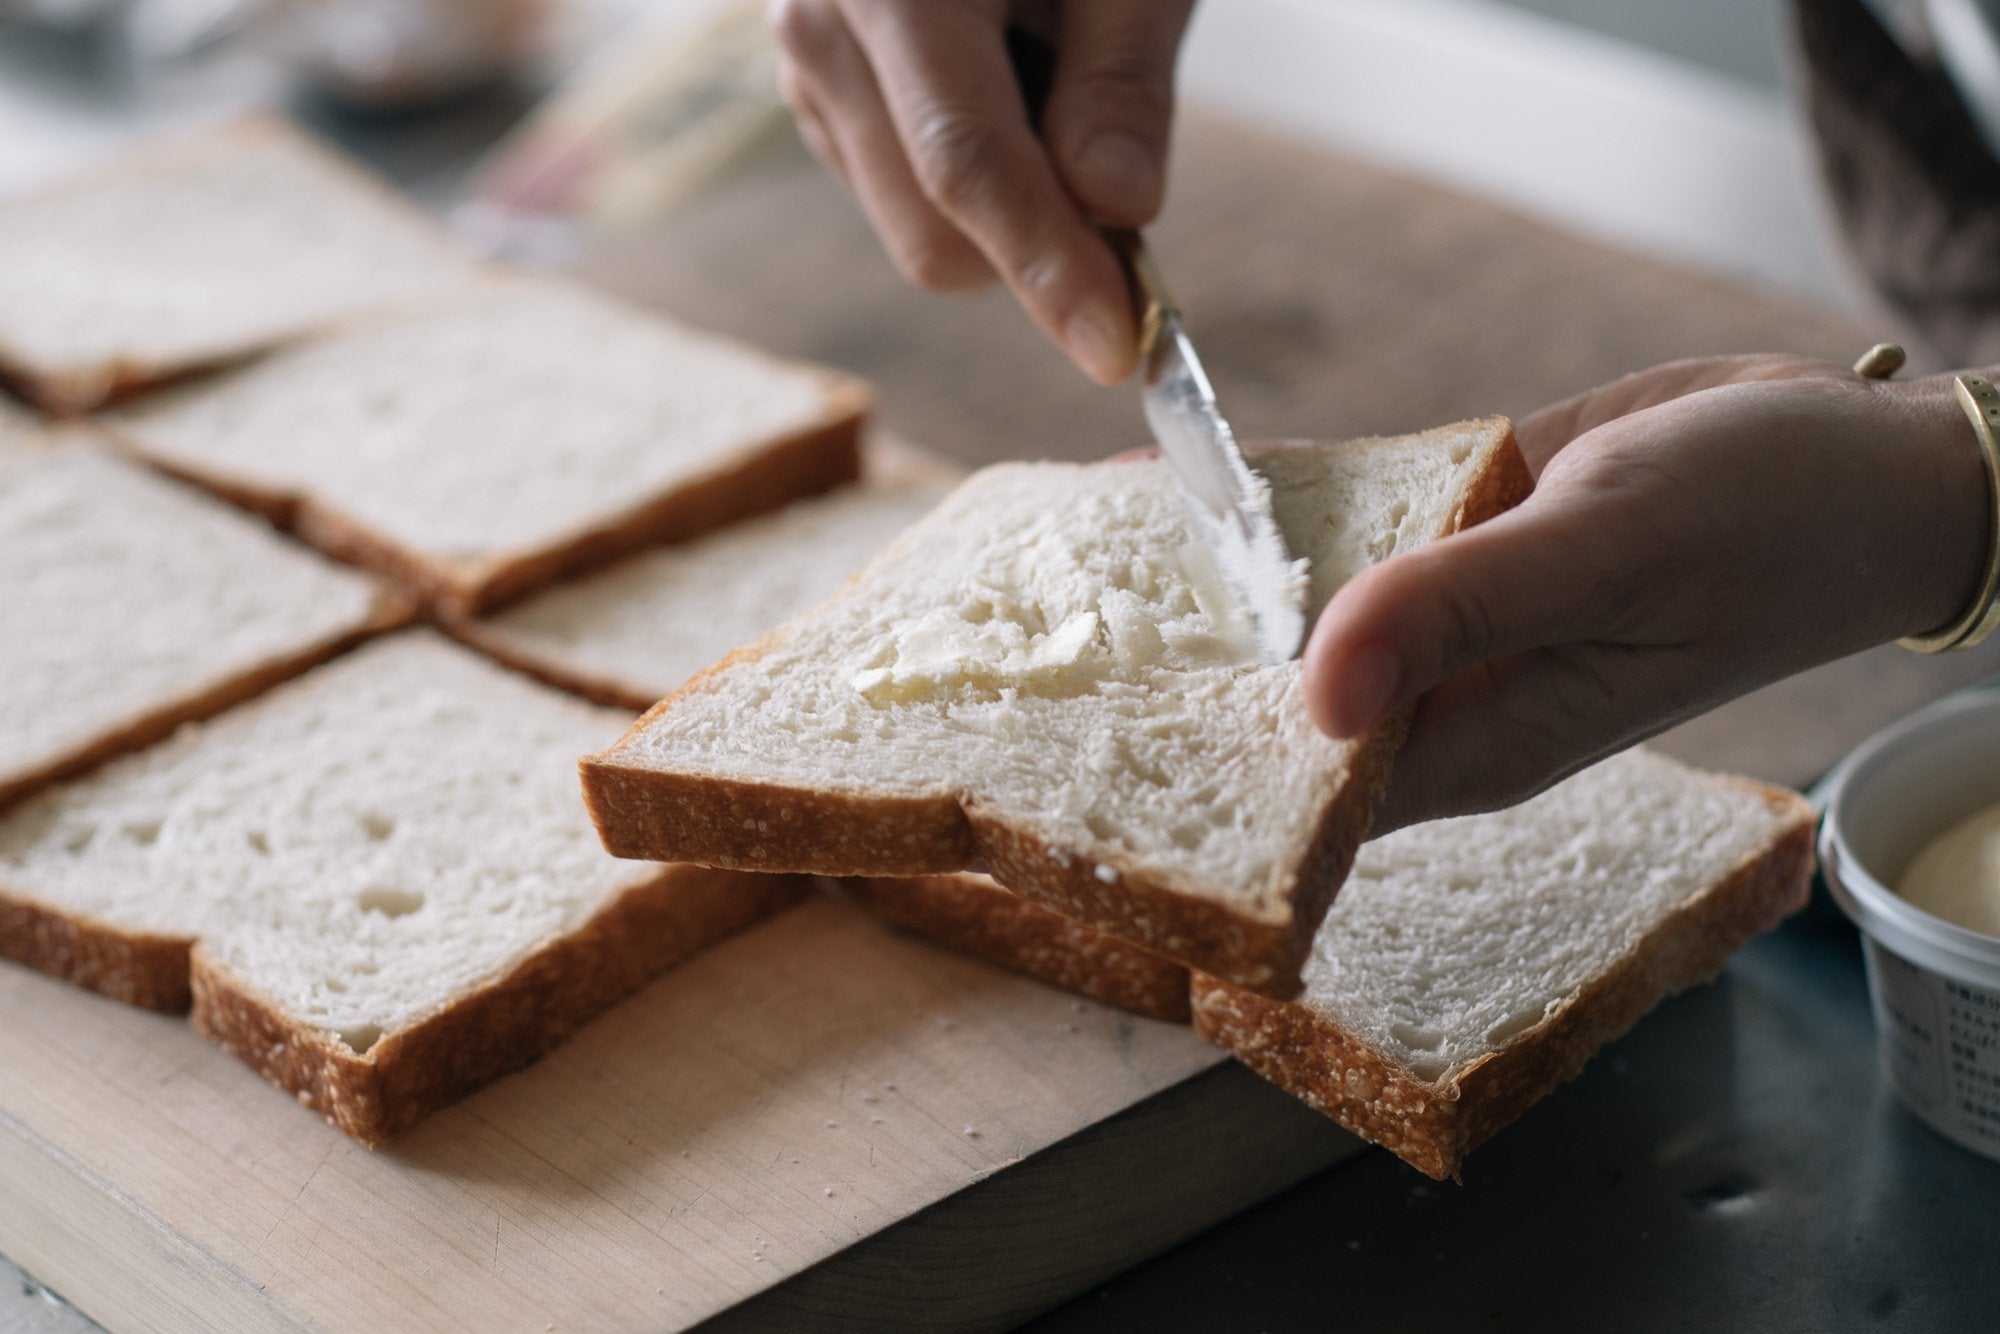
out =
column 653, row 813
column 1433, row 1124
column 501, row 1026
column 136, row 967
column 391, row 611
column 973, row 914
column 805, row 462
column 505, row 649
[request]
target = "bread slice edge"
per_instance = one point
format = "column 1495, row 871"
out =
column 496, row 1028
column 975, row 916
column 754, row 479
column 1434, row 1124
column 391, row 610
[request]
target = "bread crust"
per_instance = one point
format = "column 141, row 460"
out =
column 1260, row 943
column 497, row 1028
column 137, row 967
column 69, row 391
column 973, row 914
column 815, row 458
column 504, row 649
column 391, row 610
column 1433, row 1124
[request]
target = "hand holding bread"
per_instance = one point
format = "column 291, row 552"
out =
column 1696, row 531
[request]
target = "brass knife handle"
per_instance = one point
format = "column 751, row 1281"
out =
column 1151, row 305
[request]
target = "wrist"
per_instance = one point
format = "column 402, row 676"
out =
column 1946, row 499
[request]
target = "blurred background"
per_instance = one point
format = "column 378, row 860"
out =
column 1663, row 127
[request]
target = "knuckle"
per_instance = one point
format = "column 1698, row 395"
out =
column 792, row 87
column 1129, row 79
column 955, row 159
column 1467, row 627
column 939, row 264
column 807, row 30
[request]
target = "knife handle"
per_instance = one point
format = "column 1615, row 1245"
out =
column 1151, row 305
column 1034, row 62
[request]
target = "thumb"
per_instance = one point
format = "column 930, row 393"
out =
column 1112, row 104
column 1518, row 582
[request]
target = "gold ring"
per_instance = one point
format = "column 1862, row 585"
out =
column 1880, row 361
column 1981, row 402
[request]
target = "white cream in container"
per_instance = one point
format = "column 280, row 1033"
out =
column 1935, row 984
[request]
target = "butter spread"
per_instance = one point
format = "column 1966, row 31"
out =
column 1957, row 875
column 1039, row 618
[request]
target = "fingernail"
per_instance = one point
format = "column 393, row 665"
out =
column 1101, row 343
column 1121, row 170
column 1366, row 689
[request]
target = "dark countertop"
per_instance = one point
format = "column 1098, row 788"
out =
column 1734, row 1163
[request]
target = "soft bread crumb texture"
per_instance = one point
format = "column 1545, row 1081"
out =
column 1037, row 651
column 127, row 595
column 642, row 627
column 200, row 250
column 317, row 841
column 507, row 420
column 1471, row 966
column 1451, row 938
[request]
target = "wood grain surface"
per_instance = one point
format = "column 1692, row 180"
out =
column 715, row 1141
column 752, row 1114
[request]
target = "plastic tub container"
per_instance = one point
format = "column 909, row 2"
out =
column 1935, row 986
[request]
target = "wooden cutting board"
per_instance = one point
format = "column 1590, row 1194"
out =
column 713, row 1145
column 774, row 1105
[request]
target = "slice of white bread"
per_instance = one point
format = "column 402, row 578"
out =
column 198, row 251
column 632, row 633
column 376, row 884
column 481, row 446
column 971, row 913
column 130, row 603
column 1472, row 965
column 1031, row 679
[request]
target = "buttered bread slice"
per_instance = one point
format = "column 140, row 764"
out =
column 1035, row 678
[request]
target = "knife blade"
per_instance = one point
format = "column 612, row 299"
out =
column 1228, row 500
column 1242, row 551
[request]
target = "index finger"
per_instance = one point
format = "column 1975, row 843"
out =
column 952, row 95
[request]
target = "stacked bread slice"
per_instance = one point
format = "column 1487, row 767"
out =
column 1036, row 678
column 517, row 430
column 374, row 881
column 1467, row 967
column 134, row 603
column 635, row 631
column 984, row 691
column 197, row 252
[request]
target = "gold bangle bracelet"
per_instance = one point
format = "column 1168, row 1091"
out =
column 1981, row 402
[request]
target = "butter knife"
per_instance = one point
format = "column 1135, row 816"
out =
column 1229, row 502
